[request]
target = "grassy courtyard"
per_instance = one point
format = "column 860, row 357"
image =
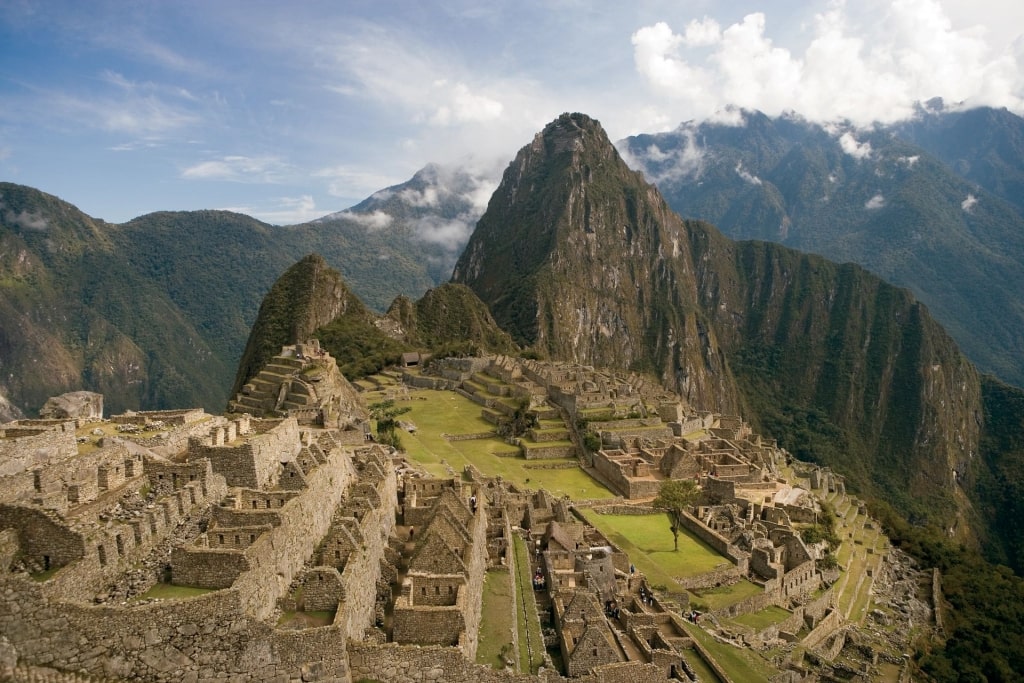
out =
column 531, row 641
column 436, row 413
column 495, row 643
column 648, row 542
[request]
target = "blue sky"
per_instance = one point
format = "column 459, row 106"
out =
column 291, row 110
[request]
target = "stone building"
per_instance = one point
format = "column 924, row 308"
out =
column 441, row 594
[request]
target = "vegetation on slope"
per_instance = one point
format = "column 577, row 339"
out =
column 949, row 232
column 984, row 617
column 79, row 315
column 998, row 490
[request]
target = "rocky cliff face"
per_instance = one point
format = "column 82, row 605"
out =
column 581, row 258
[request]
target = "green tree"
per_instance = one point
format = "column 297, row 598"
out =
column 521, row 421
column 674, row 497
column 386, row 414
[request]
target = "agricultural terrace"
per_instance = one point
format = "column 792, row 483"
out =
column 437, row 414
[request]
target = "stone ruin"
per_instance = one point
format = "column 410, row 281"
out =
column 303, row 382
column 305, row 556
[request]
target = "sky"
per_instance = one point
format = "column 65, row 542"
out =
column 288, row 111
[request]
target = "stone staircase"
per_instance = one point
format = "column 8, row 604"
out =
column 276, row 390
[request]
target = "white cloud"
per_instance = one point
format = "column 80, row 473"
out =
column 238, row 168
column 26, row 219
column 865, row 62
column 377, row 220
column 746, row 175
column 968, row 204
column 351, row 182
column 908, row 161
column 702, row 32
column 876, row 202
column 450, row 234
column 658, row 166
column 857, row 150
column 462, row 106
column 427, row 197
column 283, row 210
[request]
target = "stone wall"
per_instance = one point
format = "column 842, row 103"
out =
column 724, row 576
column 363, row 568
column 712, row 538
column 832, row 621
column 166, row 477
column 77, row 480
column 41, row 535
column 8, row 547
column 114, row 546
column 205, row 638
column 278, row 555
column 803, row 579
column 203, row 567
column 176, row 418
column 255, row 463
column 322, row 590
column 23, row 448
column 393, row 663
column 541, row 451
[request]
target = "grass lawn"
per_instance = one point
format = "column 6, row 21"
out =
column 699, row 666
column 739, row 664
column 496, row 623
column 648, row 542
column 723, row 596
column 762, row 619
column 444, row 412
column 531, row 642
column 168, row 591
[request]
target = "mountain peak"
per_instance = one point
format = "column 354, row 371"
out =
column 577, row 256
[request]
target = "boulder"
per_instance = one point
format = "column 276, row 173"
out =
column 76, row 404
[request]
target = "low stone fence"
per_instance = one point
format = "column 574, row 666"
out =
column 751, row 604
column 725, row 576
column 541, row 452
column 552, row 466
column 710, row 661
column 468, row 437
column 826, row 627
column 393, row 663
column 428, row 382
column 619, row 509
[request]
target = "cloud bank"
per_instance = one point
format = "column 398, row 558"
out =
column 866, row 64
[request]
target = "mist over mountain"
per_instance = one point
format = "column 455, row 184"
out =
column 434, row 213
column 932, row 204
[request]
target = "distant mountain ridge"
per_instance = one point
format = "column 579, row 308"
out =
column 933, row 204
column 154, row 313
